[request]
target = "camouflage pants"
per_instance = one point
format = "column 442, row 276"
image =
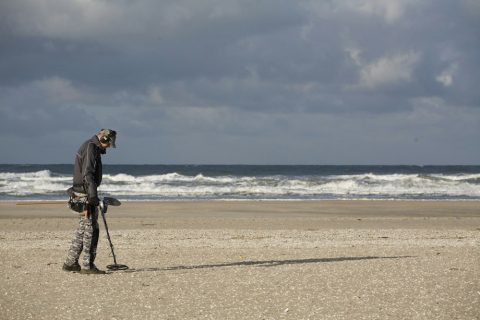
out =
column 86, row 240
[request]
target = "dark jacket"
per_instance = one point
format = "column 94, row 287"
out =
column 87, row 174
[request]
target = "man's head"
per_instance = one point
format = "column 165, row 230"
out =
column 107, row 138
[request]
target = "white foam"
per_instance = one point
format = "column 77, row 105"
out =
column 175, row 185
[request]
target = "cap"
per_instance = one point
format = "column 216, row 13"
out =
column 109, row 135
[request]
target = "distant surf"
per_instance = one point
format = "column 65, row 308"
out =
column 245, row 182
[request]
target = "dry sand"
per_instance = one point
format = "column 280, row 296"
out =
column 249, row 260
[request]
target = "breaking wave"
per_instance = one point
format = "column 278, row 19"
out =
column 45, row 184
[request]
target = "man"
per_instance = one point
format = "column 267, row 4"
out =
column 87, row 177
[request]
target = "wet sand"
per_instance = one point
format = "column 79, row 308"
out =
column 249, row 260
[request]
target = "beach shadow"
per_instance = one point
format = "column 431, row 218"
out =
column 264, row 264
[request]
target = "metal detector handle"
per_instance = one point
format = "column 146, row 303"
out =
column 87, row 205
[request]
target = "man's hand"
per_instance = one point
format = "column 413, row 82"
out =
column 94, row 201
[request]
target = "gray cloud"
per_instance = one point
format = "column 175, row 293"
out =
column 261, row 79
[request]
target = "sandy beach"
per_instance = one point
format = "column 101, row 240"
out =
column 248, row 260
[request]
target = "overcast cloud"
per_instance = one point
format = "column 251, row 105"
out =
column 242, row 82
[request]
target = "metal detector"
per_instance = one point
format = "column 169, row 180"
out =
column 103, row 206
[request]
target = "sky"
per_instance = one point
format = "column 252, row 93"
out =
column 380, row 82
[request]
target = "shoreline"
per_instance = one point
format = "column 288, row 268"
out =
column 436, row 208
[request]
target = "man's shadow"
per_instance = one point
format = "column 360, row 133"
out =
column 264, row 264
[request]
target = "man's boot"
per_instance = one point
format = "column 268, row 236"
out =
column 75, row 268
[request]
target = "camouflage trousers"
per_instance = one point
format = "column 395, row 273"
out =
column 85, row 239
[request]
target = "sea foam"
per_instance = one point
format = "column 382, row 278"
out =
column 44, row 184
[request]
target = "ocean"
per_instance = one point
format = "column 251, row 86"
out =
column 248, row 182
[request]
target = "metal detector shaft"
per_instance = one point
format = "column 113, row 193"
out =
column 108, row 236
